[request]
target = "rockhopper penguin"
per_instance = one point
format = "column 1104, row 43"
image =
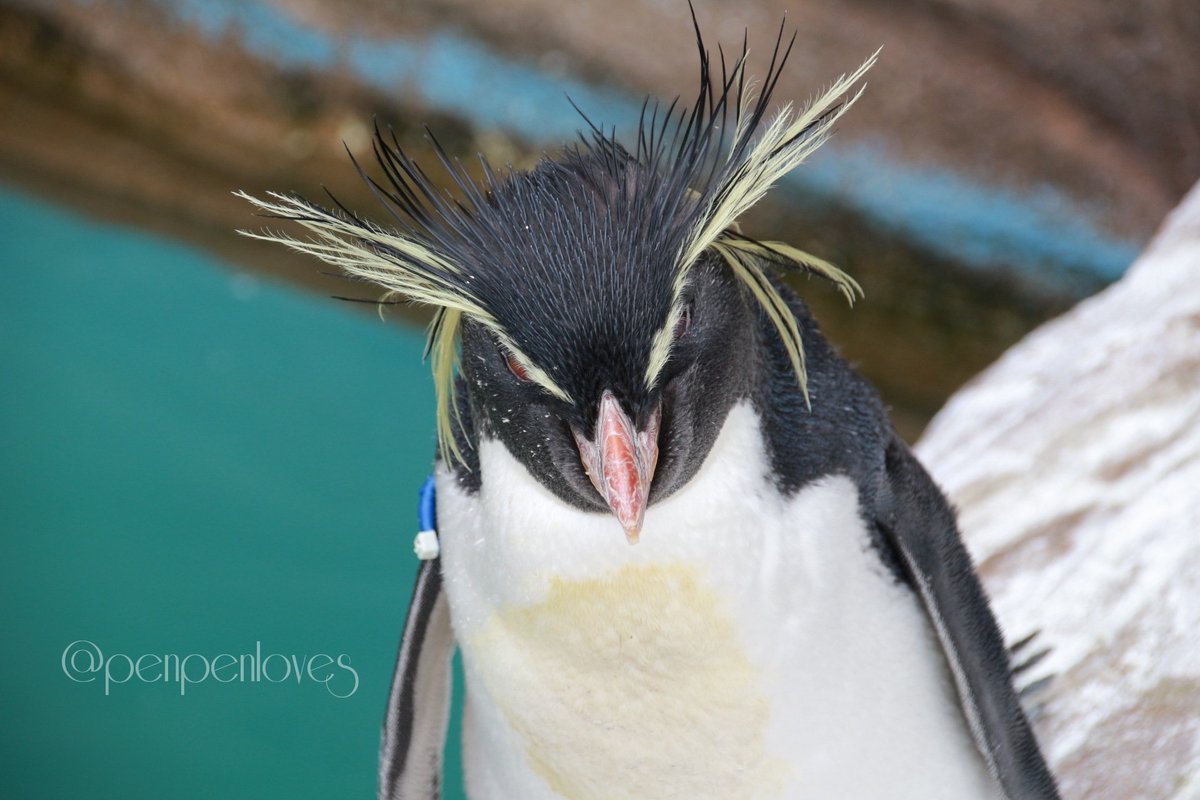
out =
column 683, row 553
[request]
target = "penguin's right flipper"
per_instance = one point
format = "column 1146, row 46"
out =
column 418, row 712
column 918, row 523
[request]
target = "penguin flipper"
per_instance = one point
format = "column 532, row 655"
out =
column 916, row 520
column 418, row 711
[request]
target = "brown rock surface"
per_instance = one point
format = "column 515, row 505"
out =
column 119, row 108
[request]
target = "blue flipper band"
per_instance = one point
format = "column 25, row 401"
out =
column 426, row 544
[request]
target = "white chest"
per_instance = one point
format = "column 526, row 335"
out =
column 750, row 646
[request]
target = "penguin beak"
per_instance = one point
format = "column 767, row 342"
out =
column 620, row 462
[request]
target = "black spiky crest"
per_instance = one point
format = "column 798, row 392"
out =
column 513, row 247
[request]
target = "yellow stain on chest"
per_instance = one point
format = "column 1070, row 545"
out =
column 632, row 685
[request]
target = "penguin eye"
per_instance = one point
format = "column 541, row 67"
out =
column 685, row 322
column 515, row 367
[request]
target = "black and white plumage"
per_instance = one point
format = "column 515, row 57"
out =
column 798, row 617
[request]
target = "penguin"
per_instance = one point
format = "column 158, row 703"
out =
column 682, row 551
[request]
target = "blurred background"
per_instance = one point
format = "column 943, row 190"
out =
column 205, row 453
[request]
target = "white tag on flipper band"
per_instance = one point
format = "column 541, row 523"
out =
column 426, row 545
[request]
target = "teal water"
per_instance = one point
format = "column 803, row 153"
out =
column 195, row 462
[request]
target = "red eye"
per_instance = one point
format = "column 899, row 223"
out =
column 685, row 322
column 515, row 367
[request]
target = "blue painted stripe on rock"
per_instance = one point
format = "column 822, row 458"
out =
column 1044, row 235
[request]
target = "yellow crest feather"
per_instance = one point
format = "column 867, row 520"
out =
column 788, row 140
column 403, row 267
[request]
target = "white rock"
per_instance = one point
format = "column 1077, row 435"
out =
column 1075, row 464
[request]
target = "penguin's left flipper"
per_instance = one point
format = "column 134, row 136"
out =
column 914, row 517
column 418, row 711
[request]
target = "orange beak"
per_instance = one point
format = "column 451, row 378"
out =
column 620, row 462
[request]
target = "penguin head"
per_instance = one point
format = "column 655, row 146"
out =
column 599, row 311
column 584, row 285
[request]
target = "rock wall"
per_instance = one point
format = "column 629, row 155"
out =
column 1007, row 159
column 1075, row 464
